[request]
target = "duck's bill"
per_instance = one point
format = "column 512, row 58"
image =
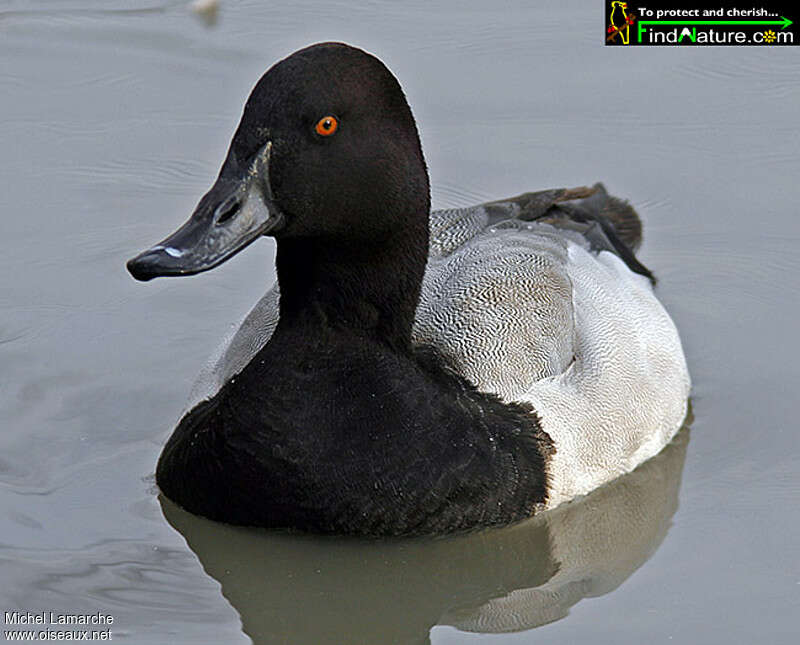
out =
column 232, row 214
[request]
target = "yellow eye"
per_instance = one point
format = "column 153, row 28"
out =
column 326, row 126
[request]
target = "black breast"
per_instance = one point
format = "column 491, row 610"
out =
column 378, row 444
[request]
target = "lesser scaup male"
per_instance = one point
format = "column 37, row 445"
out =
column 419, row 373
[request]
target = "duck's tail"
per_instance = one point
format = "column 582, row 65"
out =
column 618, row 212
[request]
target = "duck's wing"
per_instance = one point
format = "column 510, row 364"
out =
column 497, row 301
column 540, row 309
column 605, row 222
column 498, row 295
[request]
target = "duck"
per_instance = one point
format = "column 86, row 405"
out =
column 411, row 372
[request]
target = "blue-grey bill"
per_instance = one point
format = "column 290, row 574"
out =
column 232, row 214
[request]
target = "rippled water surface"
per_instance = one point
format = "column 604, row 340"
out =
column 114, row 118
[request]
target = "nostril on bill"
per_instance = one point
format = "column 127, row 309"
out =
column 227, row 210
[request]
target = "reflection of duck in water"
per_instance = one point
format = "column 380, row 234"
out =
column 307, row 589
column 620, row 23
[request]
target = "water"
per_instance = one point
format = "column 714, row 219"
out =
column 114, row 119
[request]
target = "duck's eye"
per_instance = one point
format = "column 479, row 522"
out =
column 326, row 126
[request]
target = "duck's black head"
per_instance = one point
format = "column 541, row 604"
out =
column 327, row 149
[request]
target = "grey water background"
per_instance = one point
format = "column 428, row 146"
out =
column 114, row 118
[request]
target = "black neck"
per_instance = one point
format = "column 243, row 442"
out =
column 322, row 432
column 369, row 287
